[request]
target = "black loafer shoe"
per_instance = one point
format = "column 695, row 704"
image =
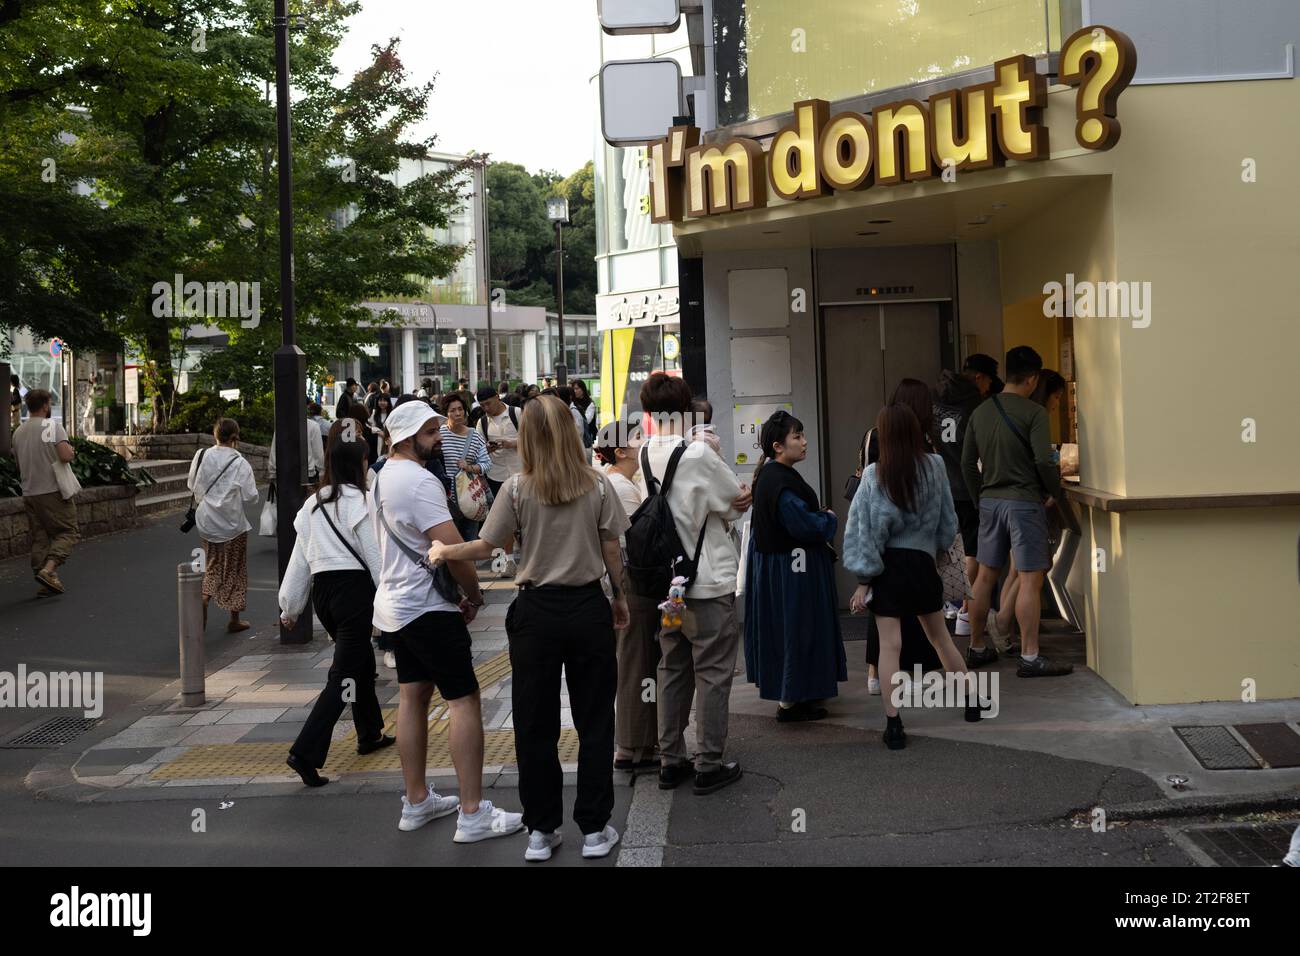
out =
column 309, row 775
column 800, row 712
column 978, row 658
column 893, row 736
column 974, row 711
column 713, row 780
column 370, row 746
column 674, row 775
column 1042, row 667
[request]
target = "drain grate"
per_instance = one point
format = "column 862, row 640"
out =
column 49, row 734
column 1249, row 844
column 1216, row 748
column 1278, row 744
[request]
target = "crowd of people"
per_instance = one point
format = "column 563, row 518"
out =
column 627, row 566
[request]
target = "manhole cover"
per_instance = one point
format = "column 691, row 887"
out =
column 51, row 733
column 1216, row 749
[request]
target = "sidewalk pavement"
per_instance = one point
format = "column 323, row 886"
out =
column 1015, row 788
column 235, row 744
column 1079, row 717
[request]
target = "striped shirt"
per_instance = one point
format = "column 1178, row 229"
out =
column 456, row 448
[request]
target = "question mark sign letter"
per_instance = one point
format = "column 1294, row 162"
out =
column 1100, row 61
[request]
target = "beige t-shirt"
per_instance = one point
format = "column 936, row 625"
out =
column 35, row 444
column 561, row 544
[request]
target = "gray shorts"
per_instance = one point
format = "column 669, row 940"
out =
column 1018, row 527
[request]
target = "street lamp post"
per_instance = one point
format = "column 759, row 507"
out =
column 290, row 361
column 485, row 256
column 557, row 210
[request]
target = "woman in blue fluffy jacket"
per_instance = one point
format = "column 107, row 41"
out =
column 900, row 519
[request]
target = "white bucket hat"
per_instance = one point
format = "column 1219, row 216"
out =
column 407, row 419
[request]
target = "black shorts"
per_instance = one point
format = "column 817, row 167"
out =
column 436, row 647
column 909, row 586
column 968, row 523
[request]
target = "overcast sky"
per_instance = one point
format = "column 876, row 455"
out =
column 513, row 75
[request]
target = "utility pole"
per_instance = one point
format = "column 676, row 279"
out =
column 290, row 361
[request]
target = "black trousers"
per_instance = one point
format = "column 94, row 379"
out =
column 345, row 603
column 571, row 628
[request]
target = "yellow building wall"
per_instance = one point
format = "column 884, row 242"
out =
column 1214, row 601
column 1074, row 235
column 1223, row 260
column 1161, row 408
column 1023, row 324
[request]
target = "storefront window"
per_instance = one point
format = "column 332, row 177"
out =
column 771, row 53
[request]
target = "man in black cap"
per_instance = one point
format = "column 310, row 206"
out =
column 983, row 371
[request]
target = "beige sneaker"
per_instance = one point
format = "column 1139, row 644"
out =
column 51, row 580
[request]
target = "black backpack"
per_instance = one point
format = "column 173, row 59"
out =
column 483, row 420
column 654, row 549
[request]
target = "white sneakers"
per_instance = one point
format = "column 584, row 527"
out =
column 594, row 845
column 390, row 660
column 541, row 844
column 950, row 610
column 597, row 845
column 488, row 823
column 963, row 624
column 416, row 815
column 994, row 634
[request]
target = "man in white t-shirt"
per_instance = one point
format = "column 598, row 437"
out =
column 408, row 506
column 500, row 427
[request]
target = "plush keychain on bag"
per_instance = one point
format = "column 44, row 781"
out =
column 675, row 606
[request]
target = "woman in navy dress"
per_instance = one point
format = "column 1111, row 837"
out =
column 793, row 648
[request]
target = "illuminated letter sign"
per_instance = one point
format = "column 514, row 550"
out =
column 974, row 127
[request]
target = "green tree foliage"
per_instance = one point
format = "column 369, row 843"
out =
column 179, row 138
column 523, row 239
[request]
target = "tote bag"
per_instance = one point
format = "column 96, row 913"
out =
column 952, row 569
column 472, row 496
column 66, row 480
column 267, row 523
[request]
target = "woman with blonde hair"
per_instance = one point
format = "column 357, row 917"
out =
column 567, row 520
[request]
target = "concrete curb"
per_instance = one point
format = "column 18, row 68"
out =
column 1206, row 805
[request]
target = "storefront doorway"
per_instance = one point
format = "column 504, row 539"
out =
column 869, row 350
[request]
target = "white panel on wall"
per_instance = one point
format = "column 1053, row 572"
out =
column 1184, row 41
column 760, row 365
column 758, row 299
column 636, row 270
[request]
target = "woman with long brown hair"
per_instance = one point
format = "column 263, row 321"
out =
column 567, row 520
column 335, row 563
column 915, row 394
column 901, row 517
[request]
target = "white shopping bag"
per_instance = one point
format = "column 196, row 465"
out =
column 267, row 525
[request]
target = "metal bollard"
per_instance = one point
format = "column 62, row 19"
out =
column 189, row 603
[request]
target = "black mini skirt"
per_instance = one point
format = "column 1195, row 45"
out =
column 909, row 586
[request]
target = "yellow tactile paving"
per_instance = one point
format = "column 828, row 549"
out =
column 267, row 758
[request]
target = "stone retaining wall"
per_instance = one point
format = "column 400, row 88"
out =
column 178, row 448
column 99, row 511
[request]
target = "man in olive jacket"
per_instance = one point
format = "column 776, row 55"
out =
column 1010, row 437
